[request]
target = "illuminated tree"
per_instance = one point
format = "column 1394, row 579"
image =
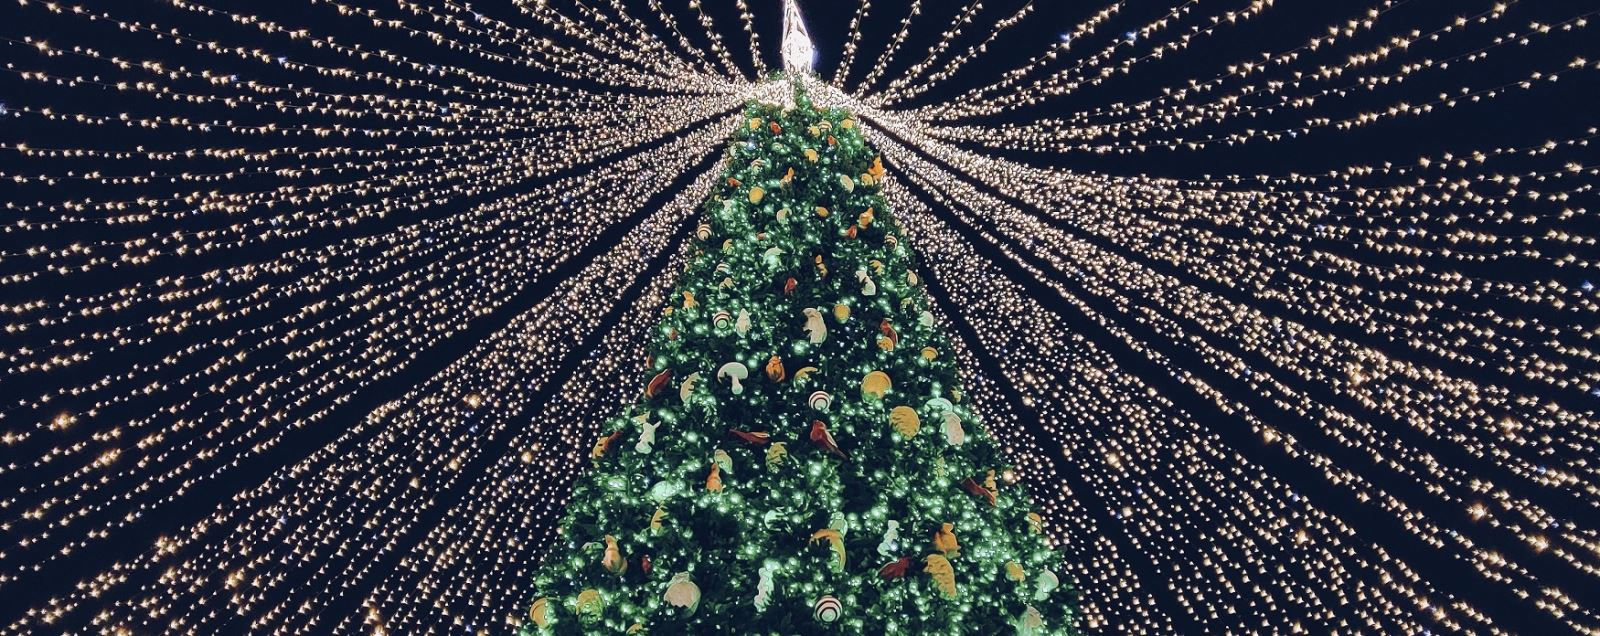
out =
column 801, row 457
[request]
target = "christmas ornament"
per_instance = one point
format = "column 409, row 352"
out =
column 820, row 400
column 943, row 575
column 657, row 518
column 804, row 373
column 1046, row 583
column 540, row 612
column 612, row 560
column 905, row 421
column 896, row 569
column 722, row 319
column 877, row 170
column 775, row 370
column 734, row 372
column 589, row 604
column 756, row 194
column 776, row 453
column 647, row 434
column 789, row 286
column 722, row 460
column 847, row 183
column 841, row 313
column 682, row 592
column 657, row 383
column 823, row 439
column 754, row 439
column 604, row 444
column 944, row 540
column 1036, row 522
column 891, row 539
column 979, row 491
column 827, row 609
column 714, row 479
column 689, row 301
column 688, row 385
column 703, row 232
column 929, row 353
column 868, row 288
column 926, row 319
column 1014, row 571
column 1030, row 623
column 742, row 325
column 889, row 334
column 875, row 384
column 764, row 587
column 835, row 541
column 865, row 219
column 816, row 330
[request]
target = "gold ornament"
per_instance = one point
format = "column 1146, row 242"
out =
column 589, row 602
column 540, row 612
column 929, row 353
column 944, row 540
column 841, row 313
column 875, row 384
column 613, row 561
column 714, row 480
column 756, row 194
column 943, row 574
column 775, row 370
column 1014, row 571
column 835, row 540
column 656, row 518
column 905, row 421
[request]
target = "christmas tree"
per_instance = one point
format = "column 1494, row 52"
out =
column 801, row 458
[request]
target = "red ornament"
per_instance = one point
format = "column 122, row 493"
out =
column 657, row 384
column 897, row 569
column 975, row 489
column 789, row 285
column 823, row 440
column 755, row 439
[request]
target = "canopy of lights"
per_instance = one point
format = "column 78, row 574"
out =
column 1286, row 314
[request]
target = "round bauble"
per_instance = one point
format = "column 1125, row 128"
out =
column 827, row 609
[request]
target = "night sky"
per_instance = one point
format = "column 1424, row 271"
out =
column 1285, row 311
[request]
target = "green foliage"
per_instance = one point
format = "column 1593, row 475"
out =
column 766, row 514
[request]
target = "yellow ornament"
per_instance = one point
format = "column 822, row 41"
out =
column 1036, row 522
column 835, row 540
column 775, row 454
column 755, row 122
column 875, row 384
column 929, row 353
column 864, row 220
column 688, row 300
column 988, row 481
column 811, row 155
column 589, row 602
column 788, row 177
column 841, row 313
column 613, row 561
column 635, row 628
column 905, row 421
column 945, row 540
column 847, row 124
column 540, row 612
column 1014, row 571
column 822, row 212
column 756, row 194
column 803, row 373
column 877, row 170
column 656, row 518
column 942, row 573
column 886, row 344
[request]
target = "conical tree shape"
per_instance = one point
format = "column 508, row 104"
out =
column 801, row 458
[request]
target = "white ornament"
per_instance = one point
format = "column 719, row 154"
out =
column 734, row 372
column 815, row 328
column 687, row 386
column 647, row 438
column 682, row 592
column 1030, row 623
column 764, row 588
column 953, row 433
column 742, row 325
column 722, row 460
column 868, row 288
column 827, row 609
column 890, row 545
column 1046, row 583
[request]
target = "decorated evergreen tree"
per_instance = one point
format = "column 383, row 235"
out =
column 801, row 458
